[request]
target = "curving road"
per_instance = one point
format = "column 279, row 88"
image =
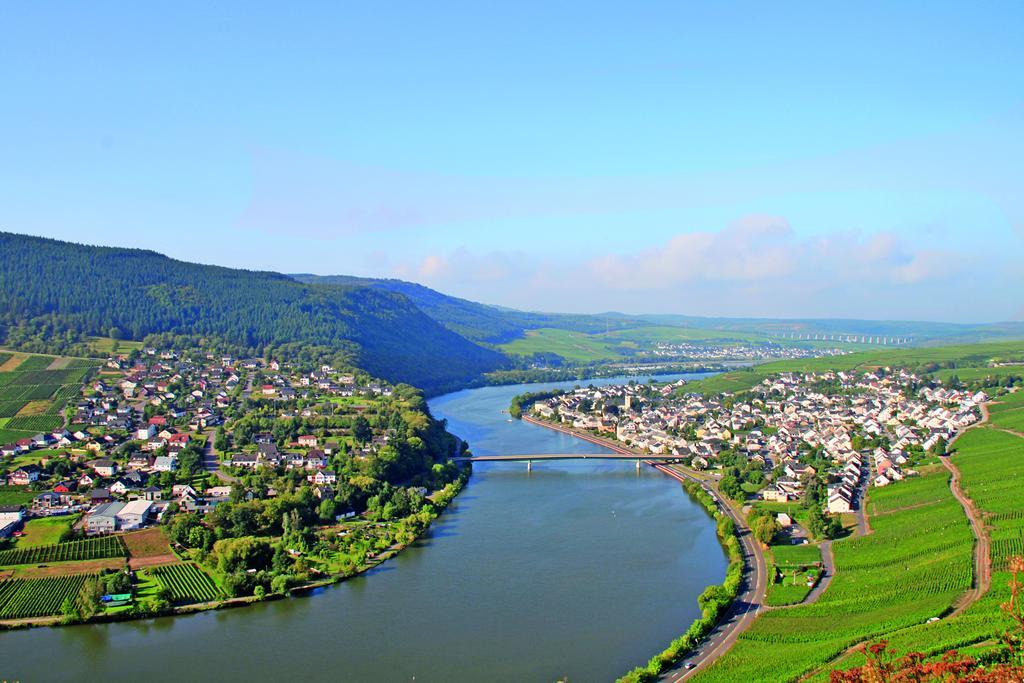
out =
column 744, row 608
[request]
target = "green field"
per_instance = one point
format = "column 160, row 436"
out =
column 32, row 397
column 788, row 586
column 70, row 551
column 44, row 531
column 573, row 346
column 914, row 565
column 796, row 555
column 992, row 470
column 15, row 495
column 186, row 582
column 1010, row 419
column 980, row 373
column 105, row 345
column 23, row 598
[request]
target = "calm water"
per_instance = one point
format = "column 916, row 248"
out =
column 578, row 569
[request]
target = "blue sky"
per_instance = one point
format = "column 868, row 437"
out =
column 805, row 159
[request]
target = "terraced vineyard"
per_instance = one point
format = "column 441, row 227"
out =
column 24, row 598
column 50, row 390
column 186, row 582
column 86, row 549
column 36, row 423
column 991, row 465
column 913, row 566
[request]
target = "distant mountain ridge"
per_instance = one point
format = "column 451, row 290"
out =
column 56, row 290
column 496, row 324
column 481, row 322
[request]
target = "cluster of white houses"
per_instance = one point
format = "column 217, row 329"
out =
column 779, row 421
column 135, row 418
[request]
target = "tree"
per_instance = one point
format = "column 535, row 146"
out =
column 765, row 528
column 731, row 487
column 361, row 429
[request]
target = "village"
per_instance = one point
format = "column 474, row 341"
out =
column 167, row 459
column 143, row 435
column 745, row 352
column 841, row 429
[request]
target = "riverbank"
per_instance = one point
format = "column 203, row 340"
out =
column 439, row 502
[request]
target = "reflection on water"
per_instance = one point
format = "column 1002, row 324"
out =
column 578, row 568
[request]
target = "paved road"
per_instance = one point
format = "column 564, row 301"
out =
column 744, row 609
column 211, row 463
column 829, row 566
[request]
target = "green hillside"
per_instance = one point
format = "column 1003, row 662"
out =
column 78, row 291
column 481, row 322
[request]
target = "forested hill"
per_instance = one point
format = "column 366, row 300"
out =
column 54, row 293
column 481, row 322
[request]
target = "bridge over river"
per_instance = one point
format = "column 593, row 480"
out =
column 530, row 458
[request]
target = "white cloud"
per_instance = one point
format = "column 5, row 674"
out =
column 758, row 265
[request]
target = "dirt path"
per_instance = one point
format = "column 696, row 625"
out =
column 982, row 558
column 152, row 561
column 13, row 362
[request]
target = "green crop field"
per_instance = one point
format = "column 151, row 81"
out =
column 45, row 530
column 32, row 381
column 35, row 363
column 12, row 435
column 914, row 565
column 87, row 549
column 669, row 334
column 36, row 423
column 1010, row 419
column 186, row 582
column 105, row 345
column 23, row 598
column 928, row 490
column 574, row 346
column 979, row 373
column 992, row 470
column 582, row 347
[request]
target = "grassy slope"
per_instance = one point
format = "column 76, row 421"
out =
column 573, row 346
column 912, row 567
column 992, row 468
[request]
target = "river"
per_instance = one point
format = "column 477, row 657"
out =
column 580, row 569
